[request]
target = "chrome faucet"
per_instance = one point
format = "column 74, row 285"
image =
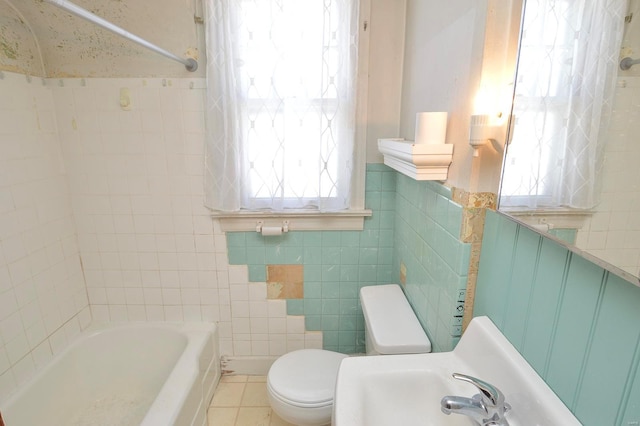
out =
column 485, row 408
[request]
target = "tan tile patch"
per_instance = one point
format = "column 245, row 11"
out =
column 487, row 200
column 472, row 224
column 285, row 281
column 474, row 259
column 469, row 299
column 474, row 209
column 285, row 273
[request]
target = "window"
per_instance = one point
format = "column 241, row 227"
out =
column 282, row 104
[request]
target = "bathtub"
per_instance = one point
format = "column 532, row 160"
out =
column 149, row 374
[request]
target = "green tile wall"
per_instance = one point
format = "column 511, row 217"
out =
column 575, row 323
column 427, row 232
column 336, row 264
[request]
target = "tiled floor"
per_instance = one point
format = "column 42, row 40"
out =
column 242, row 401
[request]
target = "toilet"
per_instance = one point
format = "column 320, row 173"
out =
column 301, row 384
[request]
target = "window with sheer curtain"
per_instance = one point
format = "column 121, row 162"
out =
column 281, row 103
column 566, row 77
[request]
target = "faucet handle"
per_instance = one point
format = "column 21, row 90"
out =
column 490, row 394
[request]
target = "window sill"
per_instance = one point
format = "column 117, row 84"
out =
column 349, row 220
column 561, row 218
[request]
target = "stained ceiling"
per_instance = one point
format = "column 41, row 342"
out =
column 40, row 39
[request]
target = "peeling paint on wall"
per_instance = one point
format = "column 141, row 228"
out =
column 8, row 51
column 73, row 47
column 18, row 47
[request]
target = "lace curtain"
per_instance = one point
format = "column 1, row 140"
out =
column 564, row 92
column 281, row 86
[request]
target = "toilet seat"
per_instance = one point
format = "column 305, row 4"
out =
column 305, row 378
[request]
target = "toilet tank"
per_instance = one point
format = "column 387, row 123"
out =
column 391, row 325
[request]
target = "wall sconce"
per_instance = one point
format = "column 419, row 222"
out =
column 487, row 128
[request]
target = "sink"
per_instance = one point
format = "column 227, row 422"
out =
column 394, row 390
column 407, row 389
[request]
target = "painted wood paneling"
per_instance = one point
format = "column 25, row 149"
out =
column 612, row 350
column 545, row 299
column 497, row 252
column 525, row 250
column 576, row 324
column 573, row 328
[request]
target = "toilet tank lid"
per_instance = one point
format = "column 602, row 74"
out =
column 393, row 326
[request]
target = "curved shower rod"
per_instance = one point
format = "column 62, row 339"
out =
column 628, row 62
column 189, row 63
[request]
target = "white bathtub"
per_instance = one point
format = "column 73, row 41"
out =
column 149, row 374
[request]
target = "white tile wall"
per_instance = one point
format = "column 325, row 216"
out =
column 149, row 247
column 102, row 217
column 613, row 233
column 43, row 300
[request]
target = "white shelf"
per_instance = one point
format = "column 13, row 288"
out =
column 418, row 161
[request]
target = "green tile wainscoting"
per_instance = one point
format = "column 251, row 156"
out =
column 414, row 223
column 336, row 264
column 577, row 324
column 427, row 243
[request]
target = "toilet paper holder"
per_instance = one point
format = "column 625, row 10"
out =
column 272, row 230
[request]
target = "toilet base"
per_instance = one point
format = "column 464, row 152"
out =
column 300, row 416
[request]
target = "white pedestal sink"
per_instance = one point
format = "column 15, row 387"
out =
column 406, row 389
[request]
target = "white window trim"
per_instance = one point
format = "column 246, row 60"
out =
column 344, row 220
column 347, row 220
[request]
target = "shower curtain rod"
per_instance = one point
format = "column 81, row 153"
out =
column 627, row 63
column 190, row 64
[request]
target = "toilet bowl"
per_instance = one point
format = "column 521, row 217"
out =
column 301, row 384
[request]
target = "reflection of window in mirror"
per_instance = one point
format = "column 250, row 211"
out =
column 564, row 88
column 572, row 165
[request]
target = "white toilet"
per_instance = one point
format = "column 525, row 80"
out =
column 301, row 384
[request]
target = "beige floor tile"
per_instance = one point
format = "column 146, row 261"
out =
column 228, row 395
column 241, row 400
column 253, row 416
column 255, row 395
column 222, row 416
column 240, row 378
column 277, row 421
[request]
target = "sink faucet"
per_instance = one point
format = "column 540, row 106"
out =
column 485, row 408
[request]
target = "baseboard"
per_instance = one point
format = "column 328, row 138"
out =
column 249, row 365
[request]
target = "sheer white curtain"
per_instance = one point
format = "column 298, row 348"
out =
column 281, row 96
column 566, row 78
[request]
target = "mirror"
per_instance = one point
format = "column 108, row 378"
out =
column 572, row 167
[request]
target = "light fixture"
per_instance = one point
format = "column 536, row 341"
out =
column 487, row 128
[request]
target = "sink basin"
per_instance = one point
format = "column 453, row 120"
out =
column 395, row 389
column 407, row 389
